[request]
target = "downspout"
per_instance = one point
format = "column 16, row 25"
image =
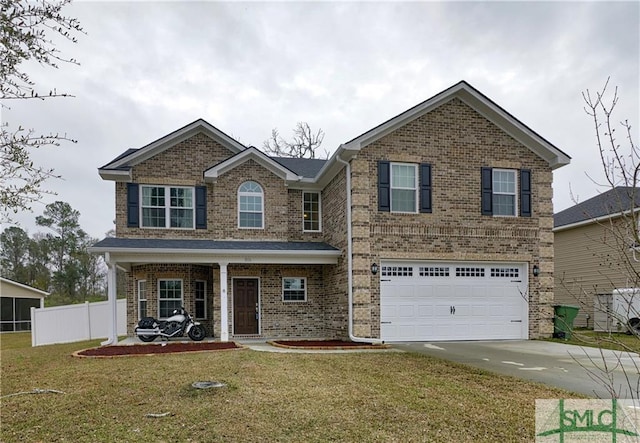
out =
column 352, row 337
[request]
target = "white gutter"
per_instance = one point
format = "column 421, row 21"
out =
column 350, row 259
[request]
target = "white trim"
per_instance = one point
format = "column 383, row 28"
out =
column 195, row 299
column 146, row 298
column 23, row 286
column 241, row 194
column 515, row 192
column 319, row 194
column 170, row 299
column 167, row 206
column 304, row 288
column 250, row 277
column 184, row 133
column 415, row 188
column 251, row 153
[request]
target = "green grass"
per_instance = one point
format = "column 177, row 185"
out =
column 605, row 340
column 379, row 396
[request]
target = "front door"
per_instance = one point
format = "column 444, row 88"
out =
column 245, row 306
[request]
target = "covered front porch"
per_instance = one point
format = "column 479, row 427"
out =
column 237, row 289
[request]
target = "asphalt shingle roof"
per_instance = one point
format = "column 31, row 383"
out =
column 614, row 201
column 306, row 167
column 230, row 245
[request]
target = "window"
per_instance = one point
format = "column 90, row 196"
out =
column 294, row 289
column 167, row 207
column 434, row 272
column 404, row 187
column 505, row 272
column 250, row 206
column 504, row 192
column 311, row 211
column 397, row 271
column 15, row 313
column 469, row 272
column 201, row 299
column 142, row 299
column 169, row 297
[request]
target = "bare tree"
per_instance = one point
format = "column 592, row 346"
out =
column 304, row 144
column 25, row 35
column 617, row 248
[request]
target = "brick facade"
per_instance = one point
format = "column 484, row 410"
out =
column 453, row 138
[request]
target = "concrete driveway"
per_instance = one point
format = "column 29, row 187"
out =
column 588, row 371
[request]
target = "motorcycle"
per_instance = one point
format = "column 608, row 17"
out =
column 175, row 326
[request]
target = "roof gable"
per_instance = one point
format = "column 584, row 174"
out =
column 251, row 153
column 5, row 283
column 481, row 104
column 120, row 167
column 610, row 204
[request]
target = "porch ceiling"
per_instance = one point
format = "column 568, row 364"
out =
column 127, row 251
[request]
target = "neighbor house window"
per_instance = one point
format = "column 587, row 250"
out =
column 311, row 211
column 404, row 187
column 201, row 299
column 167, row 207
column 504, row 192
column 15, row 313
column 250, row 206
column 142, row 299
column 294, row 289
column 169, row 297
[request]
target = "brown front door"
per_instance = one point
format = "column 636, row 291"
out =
column 245, row 306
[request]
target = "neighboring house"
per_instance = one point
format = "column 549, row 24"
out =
column 594, row 249
column 434, row 225
column 16, row 301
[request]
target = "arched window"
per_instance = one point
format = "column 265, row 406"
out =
column 250, row 206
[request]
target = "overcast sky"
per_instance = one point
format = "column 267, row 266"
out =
column 147, row 69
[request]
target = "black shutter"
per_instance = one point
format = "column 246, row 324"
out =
column 201, row 207
column 525, row 193
column 487, row 191
column 133, row 207
column 384, row 186
column 425, row 187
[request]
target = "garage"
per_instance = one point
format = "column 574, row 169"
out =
column 429, row 301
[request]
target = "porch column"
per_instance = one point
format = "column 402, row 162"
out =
column 112, row 299
column 224, row 321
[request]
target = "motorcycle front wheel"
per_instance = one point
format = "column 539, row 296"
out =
column 147, row 338
column 197, row 333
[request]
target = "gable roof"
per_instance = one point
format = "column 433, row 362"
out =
column 607, row 205
column 5, row 281
column 120, row 167
column 251, row 153
column 481, row 104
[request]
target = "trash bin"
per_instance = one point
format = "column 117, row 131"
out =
column 563, row 320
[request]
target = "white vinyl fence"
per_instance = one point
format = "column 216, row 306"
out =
column 66, row 324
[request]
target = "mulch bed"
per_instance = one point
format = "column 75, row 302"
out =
column 325, row 344
column 118, row 351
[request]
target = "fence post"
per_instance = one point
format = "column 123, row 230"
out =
column 33, row 327
column 87, row 312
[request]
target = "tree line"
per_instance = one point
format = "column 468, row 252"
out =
column 57, row 260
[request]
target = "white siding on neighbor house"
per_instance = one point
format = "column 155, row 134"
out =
column 71, row 323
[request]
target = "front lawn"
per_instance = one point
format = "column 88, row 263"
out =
column 378, row 396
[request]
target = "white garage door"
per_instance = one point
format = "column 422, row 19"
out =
column 424, row 301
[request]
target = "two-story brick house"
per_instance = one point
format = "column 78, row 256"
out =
column 434, row 225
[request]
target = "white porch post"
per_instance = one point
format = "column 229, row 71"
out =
column 224, row 321
column 112, row 298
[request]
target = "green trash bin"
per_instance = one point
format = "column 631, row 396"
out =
column 563, row 320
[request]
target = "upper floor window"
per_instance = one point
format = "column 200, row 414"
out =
column 404, row 187
column 167, row 207
column 504, row 192
column 311, row 211
column 250, row 206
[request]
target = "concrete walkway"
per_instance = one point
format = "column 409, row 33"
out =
column 589, row 371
